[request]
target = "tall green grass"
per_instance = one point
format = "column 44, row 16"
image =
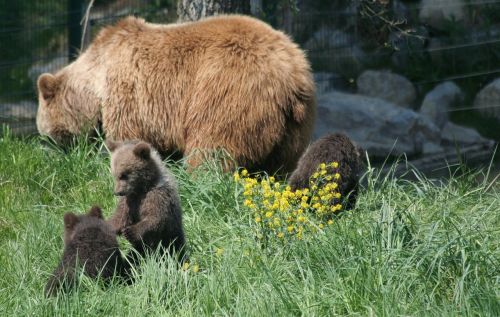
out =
column 416, row 248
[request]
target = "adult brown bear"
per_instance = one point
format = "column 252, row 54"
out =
column 228, row 82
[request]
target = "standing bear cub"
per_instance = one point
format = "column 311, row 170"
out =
column 89, row 242
column 225, row 82
column 149, row 213
column 334, row 147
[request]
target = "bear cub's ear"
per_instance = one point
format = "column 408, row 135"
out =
column 142, row 150
column 47, row 85
column 95, row 211
column 112, row 145
column 70, row 220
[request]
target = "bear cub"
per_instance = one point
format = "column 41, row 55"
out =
column 334, row 147
column 89, row 242
column 148, row 213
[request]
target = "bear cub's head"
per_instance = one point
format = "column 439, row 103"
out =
column 71, row 221
column 136, row 167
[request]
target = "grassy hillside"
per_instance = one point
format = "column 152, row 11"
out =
column 408, row 248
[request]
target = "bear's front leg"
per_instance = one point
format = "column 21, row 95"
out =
column 141, row 233
column 120, row 219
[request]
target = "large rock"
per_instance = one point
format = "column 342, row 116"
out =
column 333, row 50
column 388, row 86
column 438, row 13
column 21, row 111
column 487, row 101
column 20, row 117
column 438, row 102
column 326, row 82
column 453, row 134
column 378, row 126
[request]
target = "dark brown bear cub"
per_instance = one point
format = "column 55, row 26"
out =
column 335, row 147
column 149, row 212
column 91, row 243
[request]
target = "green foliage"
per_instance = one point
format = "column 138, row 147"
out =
column 22, row 42
column 408, row 248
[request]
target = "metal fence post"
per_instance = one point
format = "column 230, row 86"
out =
column 75, row 15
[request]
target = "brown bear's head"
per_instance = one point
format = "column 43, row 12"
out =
column 71, row 221
column 135, row 165
column 66, row 107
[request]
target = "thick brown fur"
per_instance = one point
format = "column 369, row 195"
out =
column 91, row 243
column 334, row 147
column 227, row 82
column 148, row 213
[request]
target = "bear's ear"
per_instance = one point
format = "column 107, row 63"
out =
column 95, row 211
column 111, row 145
column 47, row 85
column 142, row 150
column 70, row 220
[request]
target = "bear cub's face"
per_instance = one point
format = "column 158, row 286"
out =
column 133, row 167
column 71, row 221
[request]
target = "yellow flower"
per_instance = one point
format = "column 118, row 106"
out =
column 304, row 204
column 280, row 235
column 244, row 173
column 322, row 166
column 335, row 164
column 330, row 222
column 196, row 268
column 185, row 266
column 301, row 219
column 271, row 179
column 276, row 185
column 247, row 202
column 315, row 175
column 337, row 175
column 258, row 219
column 323, row 172
column 219, row 251
column 314, row 187
column 290, row 228
column 328, row 178
column 321, row 226
column 337, row 195
column 236, row 177
column 269, row 214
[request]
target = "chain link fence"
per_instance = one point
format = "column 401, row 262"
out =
column 341, row 41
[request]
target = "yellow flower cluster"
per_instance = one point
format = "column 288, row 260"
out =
column 278, row 211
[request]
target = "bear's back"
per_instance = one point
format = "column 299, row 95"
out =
column 95, row 247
